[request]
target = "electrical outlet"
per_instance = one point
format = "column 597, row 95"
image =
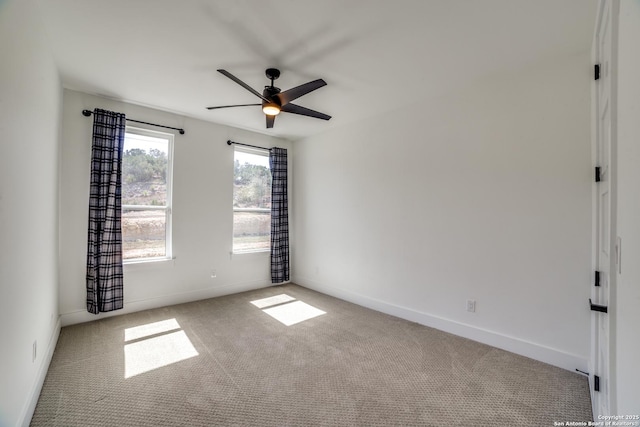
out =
column 471, row 305
column 214, row 274
column 35, row 351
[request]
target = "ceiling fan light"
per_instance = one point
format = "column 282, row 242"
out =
column 271, row 109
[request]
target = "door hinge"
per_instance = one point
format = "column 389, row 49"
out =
column 597, row 307
column 597, row 173
column 596, row 280
column 596, row 72
column 596, row 383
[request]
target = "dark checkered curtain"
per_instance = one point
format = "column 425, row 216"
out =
column 104, row 251
column 279, row 216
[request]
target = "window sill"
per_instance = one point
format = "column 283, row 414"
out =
column 148, row 263
column 250, row 254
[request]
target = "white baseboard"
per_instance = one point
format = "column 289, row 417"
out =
column 539, row 352
column 82, row 316
column 30, row 405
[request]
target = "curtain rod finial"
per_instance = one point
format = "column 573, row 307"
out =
column 229, row 142
column 181, row 131
column 86, row 113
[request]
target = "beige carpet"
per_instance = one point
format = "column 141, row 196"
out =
column 234, row 364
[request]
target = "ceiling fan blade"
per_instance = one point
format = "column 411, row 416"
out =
column 243, row 84
column 228, row 106
column 289, row 95
column 296, row 109
column 270, row 120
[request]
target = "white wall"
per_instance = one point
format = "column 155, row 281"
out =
column 484, row 194
column 202, row 214
column 30, row 110
column 628, row 283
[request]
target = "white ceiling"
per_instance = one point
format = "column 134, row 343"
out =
column 375, row 55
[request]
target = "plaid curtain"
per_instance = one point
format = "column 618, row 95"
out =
column 104, row 251
column 279, row 216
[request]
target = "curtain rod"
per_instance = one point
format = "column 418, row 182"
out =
column 229, row 142
column 87, row 113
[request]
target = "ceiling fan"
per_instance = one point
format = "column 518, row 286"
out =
column 274, row 101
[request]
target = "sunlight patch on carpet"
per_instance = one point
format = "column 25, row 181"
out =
column 155, row 347
column 150, row 329
column 274, row 300
column 293, row 312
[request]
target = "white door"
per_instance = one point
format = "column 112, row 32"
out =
column 605, row 250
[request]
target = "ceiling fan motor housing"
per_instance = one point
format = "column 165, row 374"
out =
column 269, row 92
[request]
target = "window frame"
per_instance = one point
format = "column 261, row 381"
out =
column 168, row 208
column 260, row 152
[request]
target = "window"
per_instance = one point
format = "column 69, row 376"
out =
column 251, row 200
column 146, row 195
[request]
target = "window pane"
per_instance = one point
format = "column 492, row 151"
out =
column 251, row 231
column 251, row 190
column 144, row 170
column 144, row 233
column 252, row 181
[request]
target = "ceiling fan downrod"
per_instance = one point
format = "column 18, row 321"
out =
column 272, row 74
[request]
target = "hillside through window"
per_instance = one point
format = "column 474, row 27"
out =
column 146, row 195
column 251, row 201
